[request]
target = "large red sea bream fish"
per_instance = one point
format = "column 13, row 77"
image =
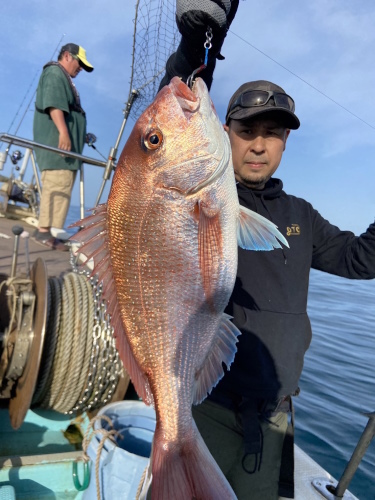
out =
column 165, row 248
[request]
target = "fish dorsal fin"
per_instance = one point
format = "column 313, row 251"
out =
column 210, row 249
column 94, row 245
column 223, row 351
column 255, row 232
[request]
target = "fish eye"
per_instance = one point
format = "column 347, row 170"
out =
column 153, row 139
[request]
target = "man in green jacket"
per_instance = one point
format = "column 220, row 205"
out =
column 59, row 121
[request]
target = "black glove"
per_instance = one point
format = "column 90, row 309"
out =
column 193, row 17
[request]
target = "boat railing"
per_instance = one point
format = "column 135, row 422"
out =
column 30, row 146
column 27, row 143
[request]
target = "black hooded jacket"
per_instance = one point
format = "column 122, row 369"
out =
column 269, row 300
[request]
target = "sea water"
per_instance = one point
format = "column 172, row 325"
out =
column 338, row 380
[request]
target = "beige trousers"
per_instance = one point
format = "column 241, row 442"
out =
column 57, row 188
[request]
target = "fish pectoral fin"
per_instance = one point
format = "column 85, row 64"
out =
column 255, row 232
column 210, row 248
column 223, row 351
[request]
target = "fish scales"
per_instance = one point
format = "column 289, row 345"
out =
column 170, row 230
column 150, row 275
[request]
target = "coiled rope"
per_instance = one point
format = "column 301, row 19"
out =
column 80, row 366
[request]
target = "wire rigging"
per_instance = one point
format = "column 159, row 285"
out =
column 33, row 95
column 20, row 106
column 302, row 79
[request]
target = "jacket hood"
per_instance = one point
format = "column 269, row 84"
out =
column 271, row 190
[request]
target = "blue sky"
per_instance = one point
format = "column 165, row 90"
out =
column 312, row 49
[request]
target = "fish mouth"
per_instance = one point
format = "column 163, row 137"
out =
column 188, row 99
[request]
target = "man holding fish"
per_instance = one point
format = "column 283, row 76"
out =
column 244, row 420
column 176, row 250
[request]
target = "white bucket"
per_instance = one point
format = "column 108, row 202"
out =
column 121, row 467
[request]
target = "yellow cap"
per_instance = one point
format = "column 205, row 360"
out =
column 80, row 53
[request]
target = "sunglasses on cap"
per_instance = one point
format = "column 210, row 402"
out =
column 253, row 98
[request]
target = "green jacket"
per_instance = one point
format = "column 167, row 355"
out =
column 54, row 90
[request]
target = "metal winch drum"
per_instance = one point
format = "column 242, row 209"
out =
column 57, row 349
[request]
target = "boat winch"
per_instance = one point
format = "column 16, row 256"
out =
column 57, row 348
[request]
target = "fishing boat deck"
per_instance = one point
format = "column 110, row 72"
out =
column 57, row 262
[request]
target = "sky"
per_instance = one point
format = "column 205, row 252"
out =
column 320, row 52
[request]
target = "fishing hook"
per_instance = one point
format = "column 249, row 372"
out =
column 207, row 46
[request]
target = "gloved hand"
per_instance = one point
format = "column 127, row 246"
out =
column 193, row 17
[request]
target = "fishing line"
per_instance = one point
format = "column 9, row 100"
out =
column 304, row 81
column 96, row 149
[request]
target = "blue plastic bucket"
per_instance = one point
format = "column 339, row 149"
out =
column 121, row 467
column 7, row 492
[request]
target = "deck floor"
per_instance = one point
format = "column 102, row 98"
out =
column 57, row 262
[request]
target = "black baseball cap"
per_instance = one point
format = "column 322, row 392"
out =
column 80, row 53
column 260, row 97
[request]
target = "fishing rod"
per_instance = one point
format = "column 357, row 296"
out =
column 112, row 157
column 326, row 488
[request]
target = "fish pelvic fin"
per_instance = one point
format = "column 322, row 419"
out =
column 136, row 375
column 93, row 240
column 210, row 248
column 186, row 471
column 223, row 351
column 255, row 232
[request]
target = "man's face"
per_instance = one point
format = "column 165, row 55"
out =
column 71, row 64
column 257, row 148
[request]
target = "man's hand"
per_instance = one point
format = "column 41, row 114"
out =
column 64, row 141
column 58, row 119
column 193, row 17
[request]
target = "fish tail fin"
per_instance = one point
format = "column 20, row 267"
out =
column 255, row 232
column 187, row 472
